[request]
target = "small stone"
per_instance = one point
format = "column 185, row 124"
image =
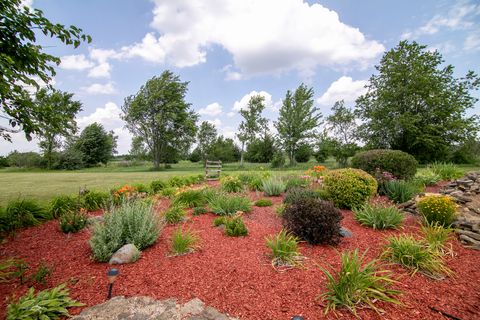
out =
column 469, row 240
column 126, row 254
column 345, row 233
column 470, row 234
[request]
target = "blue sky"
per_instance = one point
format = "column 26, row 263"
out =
column 231, row 49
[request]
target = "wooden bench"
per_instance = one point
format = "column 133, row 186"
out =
column 213, row 169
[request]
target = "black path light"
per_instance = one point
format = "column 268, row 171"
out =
column 112, row 275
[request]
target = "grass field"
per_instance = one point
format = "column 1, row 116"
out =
column 44, row 185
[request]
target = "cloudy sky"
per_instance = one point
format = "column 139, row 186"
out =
column 231, row 49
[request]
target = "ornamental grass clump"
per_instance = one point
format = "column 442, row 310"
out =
column 94, row 200
column 133, row 222
column 174, row 214
column 295, row 182
column 235, row 227
column 222, row 204
column 22, row 213
column 183, row 241
column 263, row 203
column 198, row 211
column 284, row 249
column 446, row 171
column 415, row 255
column 400, row 191
column 427, row 177
column 379, row 217
column 73, row 221
column 437, row 209
column 436, row 237
column 231, row 184
column 358, row 284
column 273, row 187
column 63, row 204
column 191, row 198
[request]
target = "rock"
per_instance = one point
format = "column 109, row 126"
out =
column 469, row 240
column 194, row 306
column 465, row 182
column 448, row 191
column 345, row 233
column 407, row 204
column 126, row 254
column 470, row 234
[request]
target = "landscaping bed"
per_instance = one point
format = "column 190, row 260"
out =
column 235, row 274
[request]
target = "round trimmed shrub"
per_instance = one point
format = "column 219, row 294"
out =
column 349, row 188
column 437, row 209
column 401, row 164
column 313, row 220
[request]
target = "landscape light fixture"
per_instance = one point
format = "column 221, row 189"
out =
column 112, row 275
column 298, row 318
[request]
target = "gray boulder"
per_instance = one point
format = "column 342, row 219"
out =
column 126, row 254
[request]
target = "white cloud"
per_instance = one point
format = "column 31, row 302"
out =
column 472, row 42
column 268, row 36
column 98, row 88
column 26, row 3
column 216, row 122
column 100, row 71
column 212, row 109
column 75, row 62
column 243, row 102
column 345, row 88
column 102, row 55
column 231, row 114
column 108, row 116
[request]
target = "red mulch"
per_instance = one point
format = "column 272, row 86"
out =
column 235, row 276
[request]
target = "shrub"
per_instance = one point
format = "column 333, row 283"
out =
column 427, row 177
column 295, row 182
column 399, row 163
column 349, row 188
column 231, row 184
column 198, row 211
column 446, row 171
column 95, row 200
column 273, row 187
column 358, row 284
column 437, row 209
column 132, row 222
column 252, row 181
column 295, row 194
column 303, row 153
column 235, row 227
column 415, row 255
column 157, row 185
column 63, row 204
column 174, row 214
column 191, row 198
column 47, row 304
column 379, row 217
column 278, row 160
column 183, row 241
column 284, row 247
column 400, row 191
column 436, row 237
column 263, row 203
column 229, row 205
column 73, row 221
column 23, row 213
column 313, row 220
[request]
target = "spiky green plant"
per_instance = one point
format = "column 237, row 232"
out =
column 379, row 217
column 174, row 214
column 437, row 236
column 401, row 191
column 183, row 241
column 284, row 249
column 235, row 227
column 447, row 171
column 222, row 204
column 191, row 198
column 273, row 187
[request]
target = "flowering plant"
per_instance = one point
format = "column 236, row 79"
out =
column 125, row 192
column 316, row 171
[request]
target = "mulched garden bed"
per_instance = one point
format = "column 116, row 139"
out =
column 235, row 275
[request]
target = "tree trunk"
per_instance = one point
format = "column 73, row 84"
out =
column 49, row 153
column 241, row 154
column 291, row 158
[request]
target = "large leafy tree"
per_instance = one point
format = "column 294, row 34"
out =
column 96, row 145
column 416, row 105
column 159, row 114
column 55, row 119
column 23, row 62
column 253, row 123
column 298, row 120
column 206, row 137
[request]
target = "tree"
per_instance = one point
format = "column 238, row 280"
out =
column 159, row 114
column 261, row 150
column 297, row 120
column 226, row 150
column 207, row 135
column 138, row 149
column 96, row 145
column 252, row 123
column 415, row 105
column 23, row 63
column 55, row 119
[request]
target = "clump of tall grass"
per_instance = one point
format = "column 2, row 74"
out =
column 183, row 241
column 379, row 217
column 284, row 249
column 401, row 191
column 447, row 171
column 273, row 187
column 222, row 204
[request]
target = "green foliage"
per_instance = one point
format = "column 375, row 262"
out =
column 157, row 185
column 284, row 247
column 437, row 209
column 304, row 153
column 218, row 221
column 174, row 214
column 298, row 119
column 199, row 211
column 176, row 181
column 140, row 187
column 95, row 200
column 429, row 111
column 358, row 284
column 72, row 221
column 63, row 204
column 191, row 198
column 252, row 181
column 436, row 237
column 96, row 145
column 225, row 150
column 349, row 188
column 168, row 192
column 415, row 255
column 229, row 205
column 25, row 65
column 43, row 272
column 278, row 160
column 427, row 177
column 4, row 162
column 133, row 222
column 261, row 150
column 23, row 213
column 159, row 114
column 11, row 269
column 379, row 217
column 273, row 187
column 295, row 194
column 400, row 191
column 313, row 220
column 183, row 241
column 263, row 203
column 280, row 210
column 206, row 136
column 400, row 164
column 446, row 171
column 295, row 182
column 25, row 159
column 235, row 227
column 69, row 159
column 47, row 304
column 231, row 184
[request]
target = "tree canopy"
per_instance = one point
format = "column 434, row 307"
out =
column 24, row 63
column 96, row 145
column 206, row 137
column 416, row 105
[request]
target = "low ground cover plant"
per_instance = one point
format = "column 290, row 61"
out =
column 273, row 187
column 280, row 209
column 63, row 204
column 401, row 164
column 231, row 184
column 401, row 191
column 235, row 227
column 132, row 222
column 174, row 214
column 358, row 284
column 47, row 304
column 43, row 272
column 183, row 241
column 379, row 217
column 313, row 220
column 263, row 203
column 73, row 221
column 223, row 204
column 294, row 194
column 349, row 188
column 199, row 211
column 446, row 171
column 437, row 209
column 284, row 249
